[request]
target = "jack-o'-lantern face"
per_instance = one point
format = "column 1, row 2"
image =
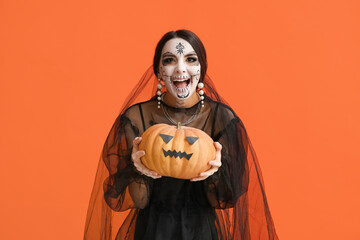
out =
column 180, row 152
column 174, row 153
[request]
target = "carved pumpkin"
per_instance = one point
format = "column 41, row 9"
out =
column 179, row 152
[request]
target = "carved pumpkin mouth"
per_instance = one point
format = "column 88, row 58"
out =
column 177, row 154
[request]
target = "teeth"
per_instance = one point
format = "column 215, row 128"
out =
column 180, row 79
column 182, row 89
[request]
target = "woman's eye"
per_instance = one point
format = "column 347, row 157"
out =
column 168, row 60
column 191, row 59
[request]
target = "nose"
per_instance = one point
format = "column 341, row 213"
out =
column 181, row 68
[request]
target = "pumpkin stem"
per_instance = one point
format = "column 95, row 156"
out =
column 179, row 125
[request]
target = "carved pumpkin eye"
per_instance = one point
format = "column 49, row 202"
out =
column 166, row 138
column 192, row 140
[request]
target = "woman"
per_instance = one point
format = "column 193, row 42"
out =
column 226, row 202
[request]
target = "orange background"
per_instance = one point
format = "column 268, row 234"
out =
column 290, row 70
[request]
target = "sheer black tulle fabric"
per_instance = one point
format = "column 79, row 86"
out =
column 231, row 204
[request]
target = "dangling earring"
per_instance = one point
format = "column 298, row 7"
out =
column 201, row 92
column 159, row 86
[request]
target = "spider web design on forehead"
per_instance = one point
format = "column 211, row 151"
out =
column 180, row 48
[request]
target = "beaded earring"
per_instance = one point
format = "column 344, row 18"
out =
column 201, row 92
column 159, row 86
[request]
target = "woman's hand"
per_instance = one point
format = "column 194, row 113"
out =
column 216, row 163
column 136, row 155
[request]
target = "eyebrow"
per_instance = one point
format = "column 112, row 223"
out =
column 168, row 54
column 171, row 54
column 191, row 53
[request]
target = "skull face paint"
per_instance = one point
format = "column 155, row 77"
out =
column 179, row 68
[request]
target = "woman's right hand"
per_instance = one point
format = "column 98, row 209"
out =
column 135, row 157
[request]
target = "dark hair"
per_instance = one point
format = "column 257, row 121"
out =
column 194, row 41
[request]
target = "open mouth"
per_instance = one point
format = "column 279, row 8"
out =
column 181, row 83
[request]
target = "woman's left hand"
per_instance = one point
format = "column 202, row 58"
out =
column 216, row 163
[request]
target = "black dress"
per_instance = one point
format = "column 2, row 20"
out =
column 178, row 209
column 230, row 204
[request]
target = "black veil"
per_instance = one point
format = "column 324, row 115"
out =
column 236, row 191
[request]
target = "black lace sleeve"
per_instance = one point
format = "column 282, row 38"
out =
column 230, row 181
column 124, row 188
column 118, row 186
column 236, row 190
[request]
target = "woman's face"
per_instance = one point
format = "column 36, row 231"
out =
column 179, row 68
